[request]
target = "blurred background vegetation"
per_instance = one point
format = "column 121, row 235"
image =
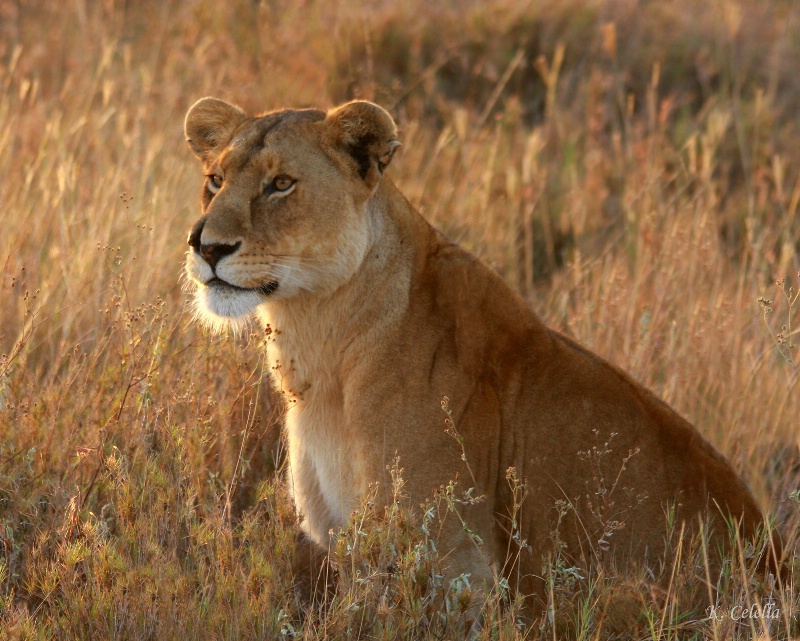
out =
column 631, row 167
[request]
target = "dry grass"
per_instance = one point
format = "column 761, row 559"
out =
column 632, row 168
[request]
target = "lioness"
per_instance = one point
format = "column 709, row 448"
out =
column 374, row 316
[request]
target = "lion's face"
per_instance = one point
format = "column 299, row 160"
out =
column 284, row 202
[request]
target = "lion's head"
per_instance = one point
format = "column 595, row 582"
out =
column 284, row 202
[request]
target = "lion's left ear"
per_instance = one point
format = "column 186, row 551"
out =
column 367, row 133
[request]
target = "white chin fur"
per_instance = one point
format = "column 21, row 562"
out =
column 221, row 309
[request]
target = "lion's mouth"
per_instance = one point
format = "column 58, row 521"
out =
column 266, row 289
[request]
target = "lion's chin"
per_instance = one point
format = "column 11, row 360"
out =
column 225, row 308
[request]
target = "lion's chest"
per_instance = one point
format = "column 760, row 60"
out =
column 326, row 472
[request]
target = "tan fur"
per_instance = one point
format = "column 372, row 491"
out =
column 377, row 316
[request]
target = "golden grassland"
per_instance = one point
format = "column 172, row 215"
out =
column 633, row 169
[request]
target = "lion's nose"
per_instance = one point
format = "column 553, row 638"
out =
column 211, row 253
column 214, row 253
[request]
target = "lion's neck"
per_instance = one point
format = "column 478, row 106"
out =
column 314, row 340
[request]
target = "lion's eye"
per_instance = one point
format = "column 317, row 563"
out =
column 282, row 183
column 214, row 183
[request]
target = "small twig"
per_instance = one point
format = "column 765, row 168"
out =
column 510, row 69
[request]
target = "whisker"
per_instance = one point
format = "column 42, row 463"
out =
column 303, row 259
column 296, row 267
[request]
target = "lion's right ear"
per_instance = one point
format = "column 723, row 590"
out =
column 209, row 126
